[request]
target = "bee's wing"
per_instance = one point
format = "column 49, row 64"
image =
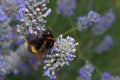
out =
column 41, row 52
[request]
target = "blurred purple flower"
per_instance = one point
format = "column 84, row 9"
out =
column 106, row 76
column 24, row 68
column 105, row 44
column 99, row 27
column 108, row 39
column 19, row 41
column 3, row 16
column 10, row 9
column 93, row 16
column 10, row 35
column 83, row 23
column 4, row 67
column 86, row 71
column 15, row 71
column 103, row 23
column 109, row 18
column 66, row 7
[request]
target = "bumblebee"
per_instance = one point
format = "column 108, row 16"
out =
column 40, row 43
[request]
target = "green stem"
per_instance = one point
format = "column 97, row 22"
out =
column 115, row 71
column 65, row 33
column 72, row 26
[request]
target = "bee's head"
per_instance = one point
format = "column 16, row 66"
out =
column 48, row 33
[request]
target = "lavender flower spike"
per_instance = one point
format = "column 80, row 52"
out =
column 4, row 68
column 32, row 15
column 101, row 22
column 61, row 54
column 66, row 7
column 86, row 71
column 94, row 16
column 105, row 44
column 106, row 76
column 83, row 23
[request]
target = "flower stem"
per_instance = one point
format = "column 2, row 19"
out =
column 70, row 30
column 72, row 26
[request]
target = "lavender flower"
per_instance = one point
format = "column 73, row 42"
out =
column 106, row 76
column 9, row 39
column 13, row 60
column 86, row 71
column 3, row 16
column 4, row 68
column 93, row 16
column 103, row 23
column 61, row 54
column 66, row 7
column 109, row 18
column 5, row 30
column 32, row 15
column 7, row 13
column 99, row 28
column 10, row 8
column 105, row 44
column 21, row 64
column 83, row 23
column 21, row 61
column 5, row 27
column 29, row 62
column 100, row 23
column 8, row 34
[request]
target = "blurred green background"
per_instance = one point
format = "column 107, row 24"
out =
column 108, row 61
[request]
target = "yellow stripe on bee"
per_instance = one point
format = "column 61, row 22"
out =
column 26, row 44
column 50, row 38
column 33, row 49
